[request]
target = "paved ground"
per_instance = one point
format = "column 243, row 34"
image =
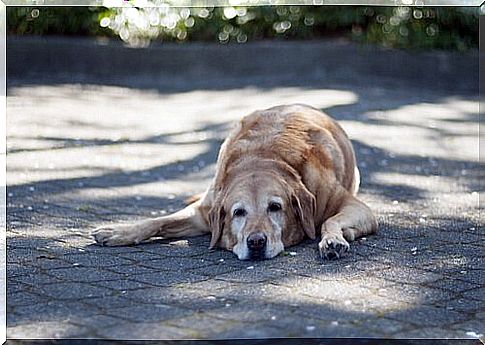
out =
column 81, row 155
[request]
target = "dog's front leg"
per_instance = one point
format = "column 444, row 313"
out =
column 184, row 223
column 353, row 220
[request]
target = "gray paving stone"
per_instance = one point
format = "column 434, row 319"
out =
column 167, row 278
column 461, row 305
column 146, row 331
column 123, row 284
column 37, row 278
column 114, row 301
column 70, row 171
column 73, row 291
column 22, row 298
column 93, row 322
column 206, row 326
column 470, row 325
column 148, row 313
column 52, row 310
column 432, row 316
column 84, row 274
column 176, row 264
column 407, row 275
column 132, row 270
column 416, row 293
column 431, row 332
column 187, row 298
column 96, row 261
column 453, row 285
column 251, row 274
column 49, row 329
column 215, row 270
column 476, row 294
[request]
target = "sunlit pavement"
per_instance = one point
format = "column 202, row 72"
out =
column 82, row 154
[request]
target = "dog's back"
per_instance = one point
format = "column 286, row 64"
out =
column 300, row 135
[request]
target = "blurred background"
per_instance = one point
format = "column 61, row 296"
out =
column 396, row 27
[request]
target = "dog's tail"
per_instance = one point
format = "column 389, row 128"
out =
column 193, row 198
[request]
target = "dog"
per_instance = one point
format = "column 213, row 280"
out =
column 283, row 174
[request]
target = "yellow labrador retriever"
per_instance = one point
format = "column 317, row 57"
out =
column 282, row 174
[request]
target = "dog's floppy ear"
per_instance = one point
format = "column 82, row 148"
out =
column 217, row 214
column 303, row 203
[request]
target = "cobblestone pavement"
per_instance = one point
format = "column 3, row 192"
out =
column 82, row 155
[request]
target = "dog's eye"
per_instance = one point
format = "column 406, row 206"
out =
column 239, row 212
column 274, row 207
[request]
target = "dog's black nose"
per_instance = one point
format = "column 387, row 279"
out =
column 257, row 242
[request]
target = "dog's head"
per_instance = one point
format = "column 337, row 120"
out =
column 260, row 213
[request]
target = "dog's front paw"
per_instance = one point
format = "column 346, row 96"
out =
column 333, row 247
column 116, row 235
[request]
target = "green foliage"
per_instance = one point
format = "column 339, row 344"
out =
column 398, row 27
column 78, row 21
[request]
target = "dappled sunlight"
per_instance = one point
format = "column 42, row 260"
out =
column 447, row 129
column 111, row 133
column 80, row 156
column 72, row 163
column 56, row 329
column 424, row 182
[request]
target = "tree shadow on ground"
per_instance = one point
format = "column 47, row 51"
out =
column 392, row 288
column 63, row 276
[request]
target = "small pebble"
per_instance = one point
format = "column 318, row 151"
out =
column 31, row 189
column 395, row 202
column 221, row 260
column 292, row 253
column 273, row 317
column 310, row 328
column 250, row 267
column 473, row 334
column 334, row 323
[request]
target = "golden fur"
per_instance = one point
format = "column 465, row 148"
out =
column 294, row 154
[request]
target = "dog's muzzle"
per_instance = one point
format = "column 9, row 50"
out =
column 257, row 245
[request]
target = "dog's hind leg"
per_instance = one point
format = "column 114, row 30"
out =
column 353, row 220
column 184, row 223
